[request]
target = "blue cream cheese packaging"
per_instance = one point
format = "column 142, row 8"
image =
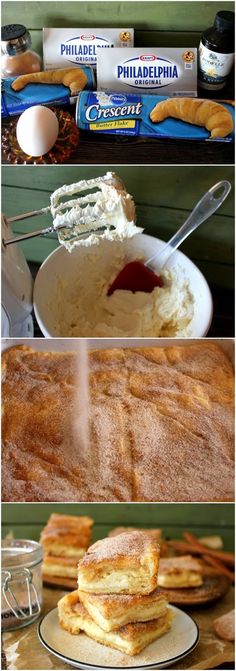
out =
column 15, row 102
column 151, row 70
column 155, row 116
column 64, row 46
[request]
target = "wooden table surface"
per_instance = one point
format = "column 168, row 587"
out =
column 105, row 149
column 23, row 649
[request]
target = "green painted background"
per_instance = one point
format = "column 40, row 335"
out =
column 26, row 520
column 156, row 23
column 164, row 196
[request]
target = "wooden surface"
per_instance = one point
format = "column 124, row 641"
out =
column 94, row 148
column 24, row 651
column 27, row 521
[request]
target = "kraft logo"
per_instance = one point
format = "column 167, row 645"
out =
column 88, row 37
column 148, row 57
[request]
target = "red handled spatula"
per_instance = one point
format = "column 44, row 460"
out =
column 138, row 276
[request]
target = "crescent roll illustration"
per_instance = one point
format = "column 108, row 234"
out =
column 215, row 117
column 74, row 78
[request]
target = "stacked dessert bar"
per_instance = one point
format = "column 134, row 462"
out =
column 65, row 540
column 118, row 602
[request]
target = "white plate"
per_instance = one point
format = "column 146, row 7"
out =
column 82, row 652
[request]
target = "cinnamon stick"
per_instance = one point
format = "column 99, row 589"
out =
column 219, row 565
column 227, row 557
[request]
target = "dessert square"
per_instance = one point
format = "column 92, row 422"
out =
column 124, row 564
column 179, row 572
column 130, row 639
column 111, row 611
column 66, row 535
column 65, row 567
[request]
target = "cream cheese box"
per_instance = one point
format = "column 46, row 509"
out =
column 76, row 46
column 149, row 70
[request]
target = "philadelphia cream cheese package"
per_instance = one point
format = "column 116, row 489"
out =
column 63, row 46
column 151, row 70
column 136, row 114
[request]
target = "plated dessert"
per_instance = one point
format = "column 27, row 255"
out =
column 118, row 603
column 160, row 425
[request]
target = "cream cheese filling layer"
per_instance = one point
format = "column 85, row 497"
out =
column 118, row 581
column 83, row 309
column 182, row 579
column 61, row 550
column 135, row 614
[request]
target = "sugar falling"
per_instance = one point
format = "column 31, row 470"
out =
column 82, row 401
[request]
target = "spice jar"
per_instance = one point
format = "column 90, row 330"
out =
column 21, row 576
column 216, row 52
column 17, row 57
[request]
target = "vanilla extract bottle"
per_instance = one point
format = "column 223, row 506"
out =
column 216, row 52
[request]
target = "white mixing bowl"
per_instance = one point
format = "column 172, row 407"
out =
column 61, row 268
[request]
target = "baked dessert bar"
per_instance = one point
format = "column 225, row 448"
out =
column 130, row 639
column 161, row 425
column 124, row 564
column 66, row 535
column 65, row 567
column 111, row 611
column 179, row 572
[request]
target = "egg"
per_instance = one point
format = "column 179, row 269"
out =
column 37, row 130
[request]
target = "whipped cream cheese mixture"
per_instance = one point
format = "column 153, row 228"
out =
column 81, row 306
column 83, row 309
column 109, row 206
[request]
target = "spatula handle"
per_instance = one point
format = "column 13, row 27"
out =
column 205, row 207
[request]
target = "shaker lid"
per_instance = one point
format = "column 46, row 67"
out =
column 225, row 20
column 12, row 32
column 17, row 552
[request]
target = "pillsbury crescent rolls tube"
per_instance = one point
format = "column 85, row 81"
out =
column 155, row 116
column 51, row 87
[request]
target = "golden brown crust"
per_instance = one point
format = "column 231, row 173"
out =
column 154, row 412
column 125, row 564
column 214, row 116
column 127, row 549
column 60, row 566
column 66, row 535
column 111, row 611
column 110, row 603
column 74, row 78
column 179, row 572
column 155, row 534
column 131, row 638
column 178, row 564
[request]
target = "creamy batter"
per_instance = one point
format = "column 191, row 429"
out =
column 83, row 308
column 101, row 203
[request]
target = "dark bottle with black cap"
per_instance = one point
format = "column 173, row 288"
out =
column 216, row 52
column 17, row 56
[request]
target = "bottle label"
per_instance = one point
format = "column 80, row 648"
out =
column 213, row 66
